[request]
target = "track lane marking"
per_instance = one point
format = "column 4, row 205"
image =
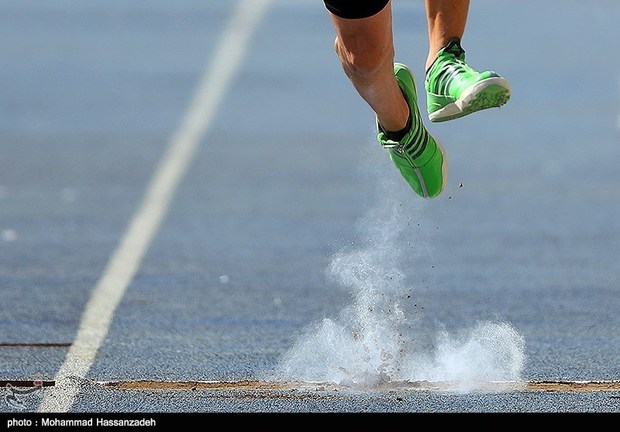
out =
column 125, row 262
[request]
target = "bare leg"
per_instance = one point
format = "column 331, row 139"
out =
column 366, row 50
column 446, row 20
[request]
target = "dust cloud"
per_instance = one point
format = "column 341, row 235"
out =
column 379, row 338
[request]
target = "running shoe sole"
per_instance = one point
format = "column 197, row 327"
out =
column 492, row 92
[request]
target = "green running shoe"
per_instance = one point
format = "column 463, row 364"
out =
column 418, row 157
column 455, row 90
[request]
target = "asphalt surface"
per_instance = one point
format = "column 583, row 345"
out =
column 289, row 250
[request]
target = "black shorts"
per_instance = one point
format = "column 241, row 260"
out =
column 353, row 9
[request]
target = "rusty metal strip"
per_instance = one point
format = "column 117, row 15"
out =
column 27, row 383
column 36, row 344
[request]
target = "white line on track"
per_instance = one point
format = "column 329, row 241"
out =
column 125, row 261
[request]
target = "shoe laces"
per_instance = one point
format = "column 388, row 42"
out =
column 450, row 64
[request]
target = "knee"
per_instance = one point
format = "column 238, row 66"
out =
column 362, row 58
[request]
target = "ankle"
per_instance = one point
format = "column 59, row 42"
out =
column 398, row 135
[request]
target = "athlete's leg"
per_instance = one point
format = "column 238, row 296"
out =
column 364, row 44
column 446, row 21
column 365, row 49
column 453, row 88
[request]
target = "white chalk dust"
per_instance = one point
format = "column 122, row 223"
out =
column 378, row 339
